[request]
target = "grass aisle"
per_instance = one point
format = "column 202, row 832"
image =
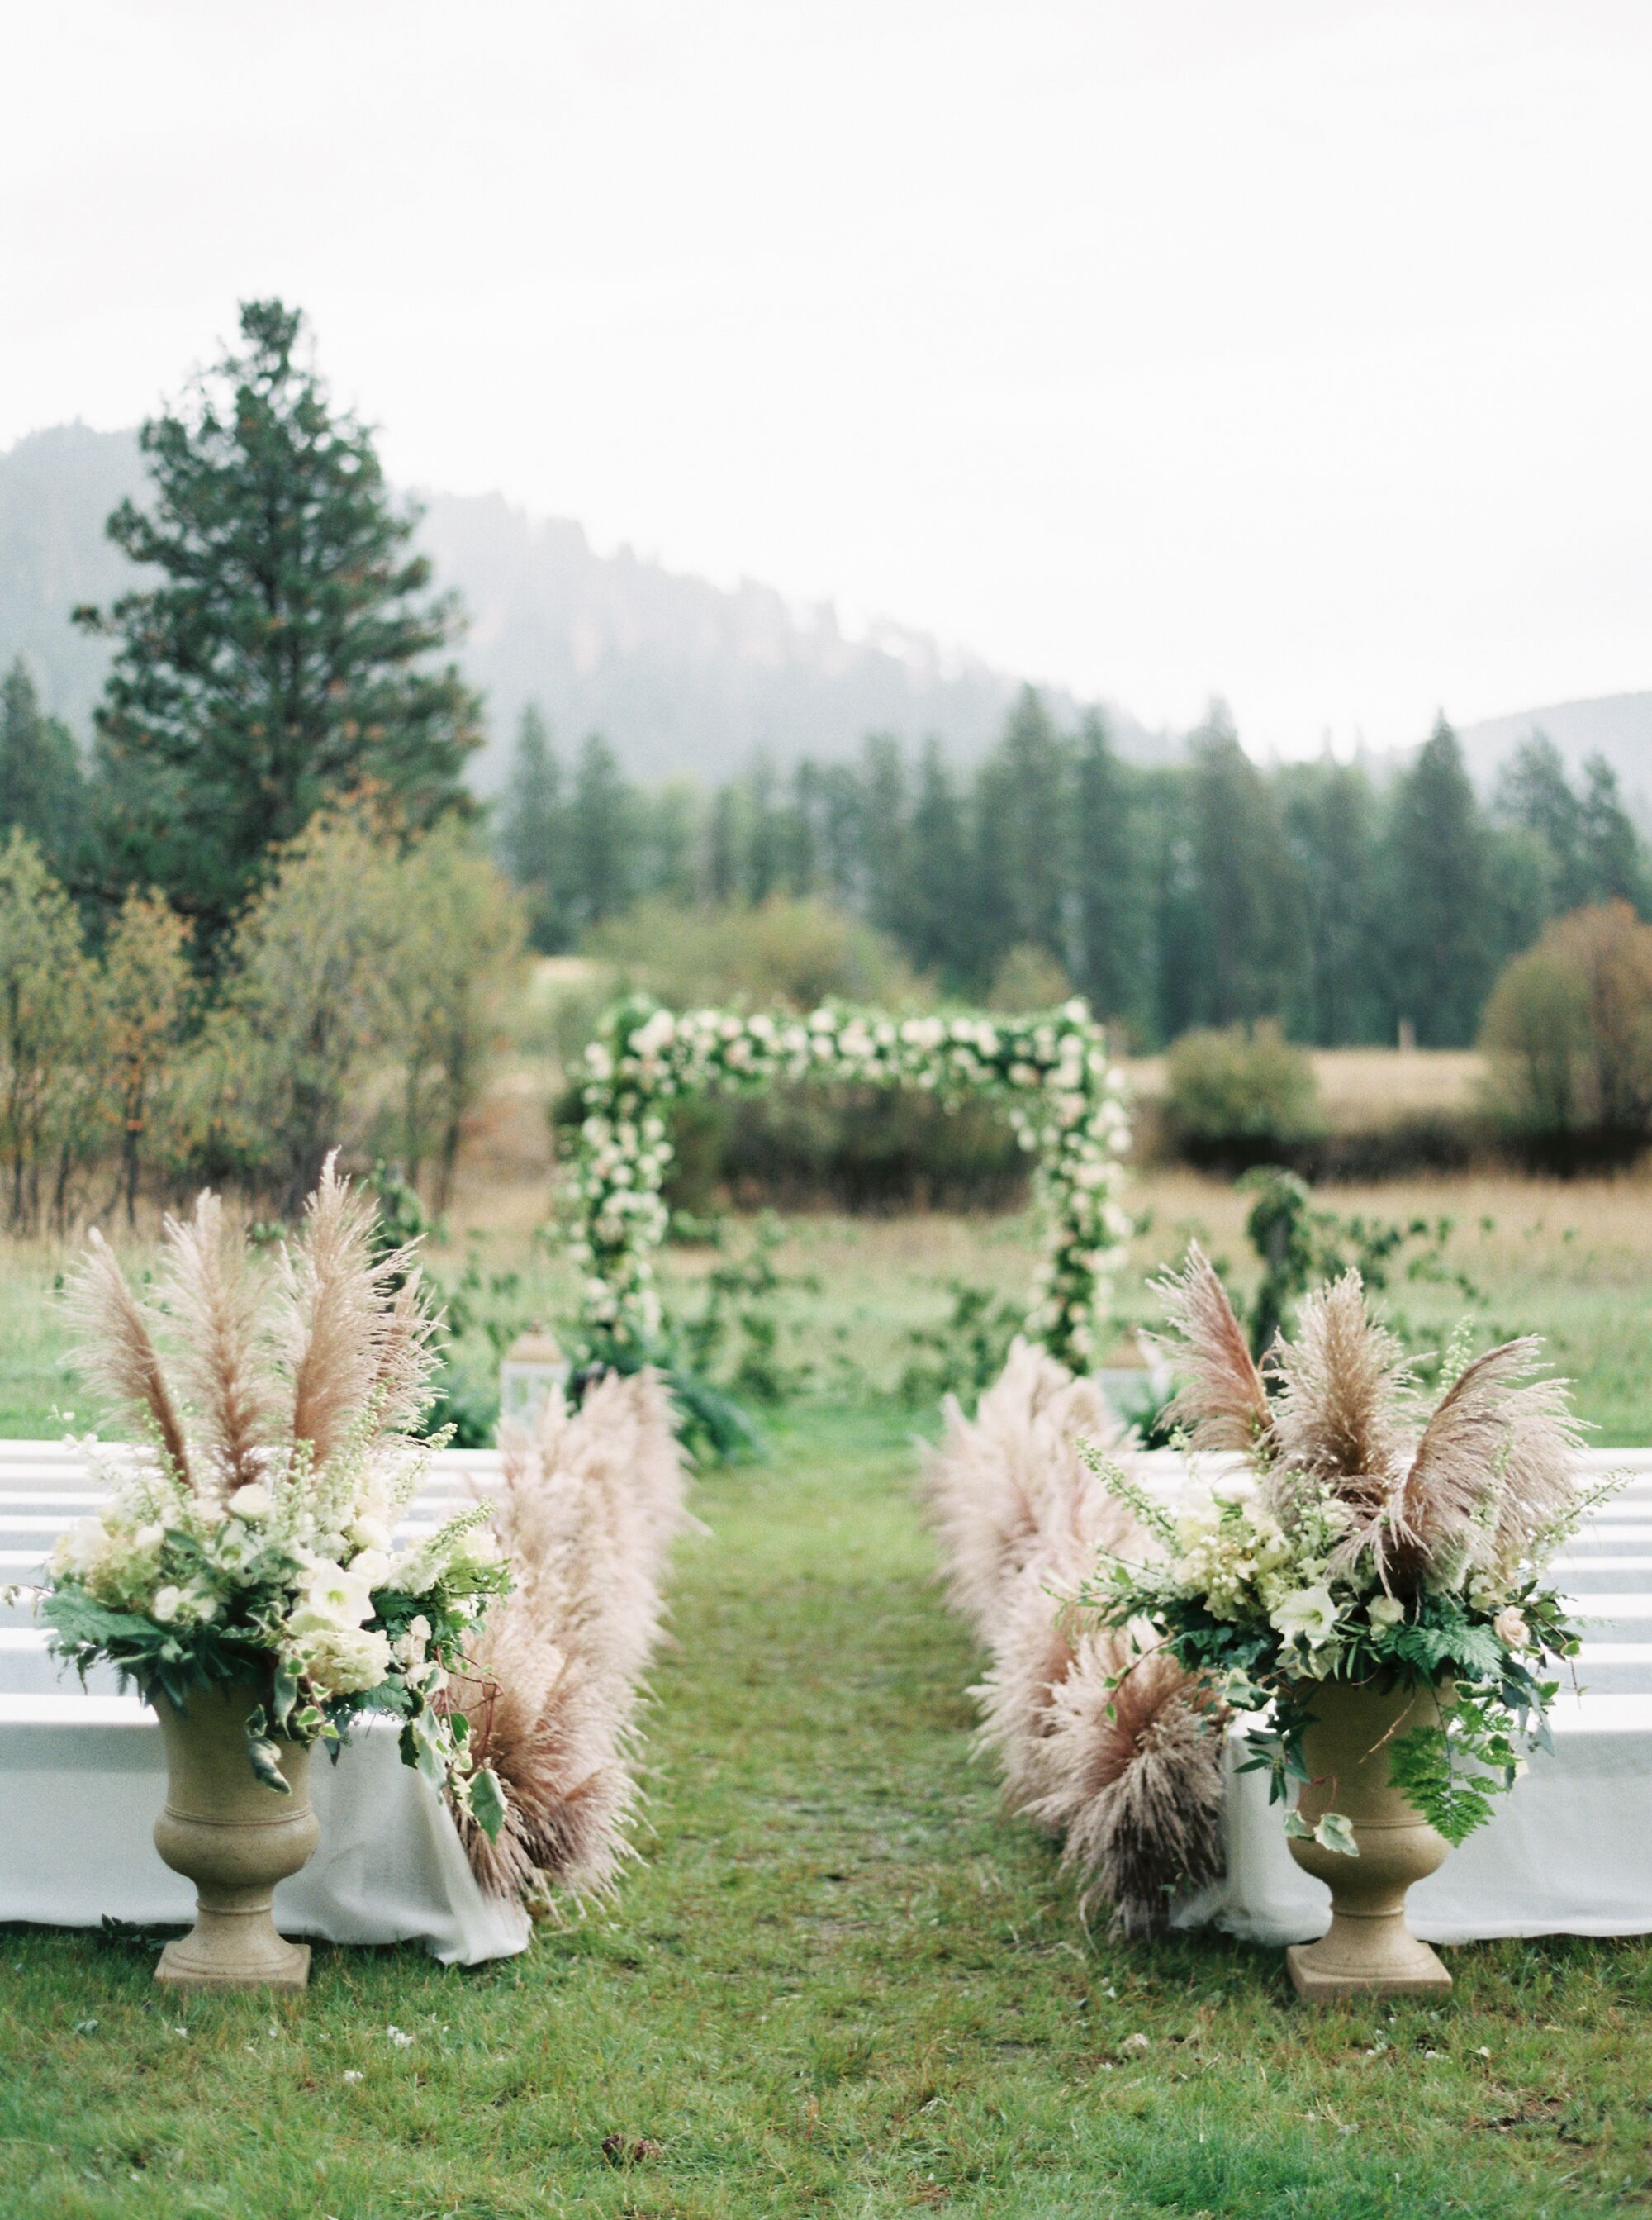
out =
column 839, row 1984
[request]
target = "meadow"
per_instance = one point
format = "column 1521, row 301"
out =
column 838, row 1980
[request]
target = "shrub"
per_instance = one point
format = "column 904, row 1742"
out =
column 781, row 951
column 1240, row 1097
column 1568, row 1037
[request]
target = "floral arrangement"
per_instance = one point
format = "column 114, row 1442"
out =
column 1361, row 1539
column 1064, row 1102
column 251, row 1538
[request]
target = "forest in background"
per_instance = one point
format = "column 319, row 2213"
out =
column 1211, row 892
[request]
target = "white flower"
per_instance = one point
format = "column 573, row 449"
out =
column 345, row 1661
column 410, row 1650
column 373, row 1565
column 1310, row 1613
column 251, row 1501
column 332, row 1599
column 79, row 1550
column 168, row 1603
column 1511, row 1628
column 370, row 1533
column 1385, row 1610
column 150, row 1536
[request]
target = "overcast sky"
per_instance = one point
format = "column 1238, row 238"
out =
column 1292, row 350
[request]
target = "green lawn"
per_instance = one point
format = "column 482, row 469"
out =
column 837, row 1983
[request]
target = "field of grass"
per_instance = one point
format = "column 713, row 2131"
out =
column 838, row 1982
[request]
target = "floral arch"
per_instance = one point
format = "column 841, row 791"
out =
column 1065, row 1103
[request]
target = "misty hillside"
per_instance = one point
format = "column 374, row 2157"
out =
column 1617, row 726
column 680, row 674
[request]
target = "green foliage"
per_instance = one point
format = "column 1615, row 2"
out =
column 785, row 953
column 967, row 1352
column 1239, row 1096
column 735, row 1335
column 1302, row 1244
column 1441, row 951
column 283, row 657
column 1567, row 1035
column 42, row 784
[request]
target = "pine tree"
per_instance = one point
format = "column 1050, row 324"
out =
column 1331, row 821
column 935, row 928
column 1534, row 796
column 884, row 827
column 600, row 821
column 1614, row 861
column 803, row 846
column 42, row 786
column 284, row 657
column 1249, row 893
column 1111, row 966
column 533, row 835
column 1023, row 827
column 768, row 839
column 724, row 846
column 1440, row 957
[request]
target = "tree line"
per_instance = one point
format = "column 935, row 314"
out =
column 1211, row 892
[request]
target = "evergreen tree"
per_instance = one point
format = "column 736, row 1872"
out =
column 1023, row 831
column 1331, row 821
column 285, row 656
column 42, row 786
column 1250, row 937
column 1614, row 862
column 936, row 928
column 671, row 839
column 1440, row 957
column 1534, row 797
column 724, row 846
column 884, row 827
column 1110, row 968
column 534, row 837
column 803, row 844
column 601, row 822
column 842, row 821
column 769, row 838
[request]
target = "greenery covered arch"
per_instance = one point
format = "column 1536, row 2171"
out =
column 1064, row 1099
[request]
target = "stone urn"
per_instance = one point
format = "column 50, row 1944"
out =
column 234, row 1838
column 1368, row 1950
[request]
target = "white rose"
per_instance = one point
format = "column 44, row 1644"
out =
column 346, row 1661
column 251, row 1501
column 332, row 1599
column 150, row 1536
column 168, row 1602
column 1385, row 1610
column 370, row 1533
column 1309, row 1613
column 373, row 1565
column 1511, row 1628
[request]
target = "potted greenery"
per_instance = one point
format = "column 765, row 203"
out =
column 1369, row 1580
column 241, row 1573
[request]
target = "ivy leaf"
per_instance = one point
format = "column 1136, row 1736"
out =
column 1335, row 1832
column 263, row 1756
column 487, row 1802
column 1297, row 1829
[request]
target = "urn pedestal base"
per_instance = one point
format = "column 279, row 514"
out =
column 1326, row 1972
column 235, row 1838
column 1368, row 1950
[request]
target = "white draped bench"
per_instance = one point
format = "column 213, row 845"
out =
column 82, row 1774
column 1569, row 1851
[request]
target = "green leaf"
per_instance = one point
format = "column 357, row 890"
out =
column 1335, row 1832
column 265, row 1760
column 488, row 1806
column 1297, row 1829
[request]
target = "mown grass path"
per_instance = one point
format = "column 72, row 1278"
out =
column 839, row 1983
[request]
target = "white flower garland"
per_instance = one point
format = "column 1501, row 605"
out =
column 1065, row 1102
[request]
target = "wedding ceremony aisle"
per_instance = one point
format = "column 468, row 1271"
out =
column 838, row 1981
